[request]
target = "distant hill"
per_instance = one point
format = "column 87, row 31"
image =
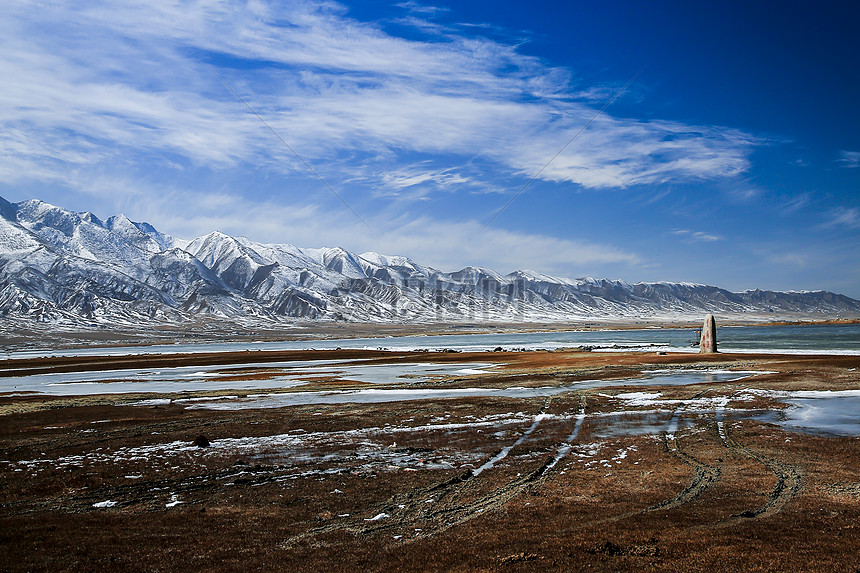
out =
column 73, row 268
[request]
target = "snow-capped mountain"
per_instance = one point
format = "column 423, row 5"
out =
column 57, row 265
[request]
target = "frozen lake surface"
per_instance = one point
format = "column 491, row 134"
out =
column 252, row 376
column 262, row 376
column 834, row 413
column 374, row 395
column 793, row 339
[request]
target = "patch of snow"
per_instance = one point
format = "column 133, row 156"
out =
column 639, row 398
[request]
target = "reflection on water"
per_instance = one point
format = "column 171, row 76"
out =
column 263, row 376
column 162, row 380
column 835, row 414
column 674, row 378
column 373, row 395
column 632, row 424
column 292, row 374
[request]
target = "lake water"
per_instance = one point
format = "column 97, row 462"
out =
column 251, row 376
column 810, row 339
column 835, row 413
column 374, row 395
column 812, row 412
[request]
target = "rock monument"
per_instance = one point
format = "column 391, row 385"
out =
column 708, row 342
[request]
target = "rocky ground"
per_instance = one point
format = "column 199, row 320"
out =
column 618, row 477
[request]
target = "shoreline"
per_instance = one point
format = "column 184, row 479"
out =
column 307, row 332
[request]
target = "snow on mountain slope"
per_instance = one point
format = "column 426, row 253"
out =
column 56, row 265
column 387, row 261
column 72, row 266
column 281, row 278
column 141, row 235
column 85, row 236
column 238, row 266
column 15, row 239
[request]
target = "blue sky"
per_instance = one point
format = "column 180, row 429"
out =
column 732, row 159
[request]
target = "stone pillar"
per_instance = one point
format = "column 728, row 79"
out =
column 708, row 343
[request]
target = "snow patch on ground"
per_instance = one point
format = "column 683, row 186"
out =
column 371, row 445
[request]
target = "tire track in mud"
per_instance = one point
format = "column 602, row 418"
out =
column 706, row 475
column 787, row 486
column 434, row 509
column 459, row 514
column 788, row 479
column 243, row 474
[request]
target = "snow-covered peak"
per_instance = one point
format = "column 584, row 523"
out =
column 472, row 274
column 217, row 248
column 166, row 241
column 131, row 232
column 342, row 261
column 35, row 213
column 388, row 260
column 79, row 234
column 538, row 277
column 74, row 264
column 91, row 218
column 683, row 284
column 282, row 253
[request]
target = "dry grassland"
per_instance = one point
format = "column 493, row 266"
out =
column 589, row 481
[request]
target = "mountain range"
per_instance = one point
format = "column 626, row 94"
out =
column 74, row 268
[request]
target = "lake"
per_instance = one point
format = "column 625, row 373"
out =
column 793, row 339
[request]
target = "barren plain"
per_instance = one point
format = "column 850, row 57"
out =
column 589, row 465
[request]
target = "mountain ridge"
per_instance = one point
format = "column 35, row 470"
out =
column 73, row 268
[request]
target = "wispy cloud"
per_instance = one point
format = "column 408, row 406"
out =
column 421, row 8
column 798, row 260
column 122, row 102
column 444, row 244
column 696, row 236
column 420, row 180
column 843, row 217
column 790, row 205
column 850, row 159
column 99, row 81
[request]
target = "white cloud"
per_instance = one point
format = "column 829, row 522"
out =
column 696, row 236
column 121, row 102
column 421, row 8
column 457, row 244
column 418, row 181
column 798, row 260
column 101, row 81
column 791, row 204
column 850, row 159
column 844, row 217
column 446, row 245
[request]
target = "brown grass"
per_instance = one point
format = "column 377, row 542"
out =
column 279, row 508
